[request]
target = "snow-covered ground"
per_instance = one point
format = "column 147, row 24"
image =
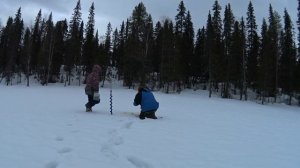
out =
column 47, row 127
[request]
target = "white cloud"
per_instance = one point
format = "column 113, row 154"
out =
column 115, row 11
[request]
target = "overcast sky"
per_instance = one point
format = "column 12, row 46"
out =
column 115, row 11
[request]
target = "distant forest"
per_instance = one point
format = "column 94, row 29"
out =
column 229, row 56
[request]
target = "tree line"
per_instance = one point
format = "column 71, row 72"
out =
column 228, row 56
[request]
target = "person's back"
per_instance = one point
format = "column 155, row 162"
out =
column 148, row 103
column 93, row 78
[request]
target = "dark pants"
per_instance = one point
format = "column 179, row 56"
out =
column 91, row 102
column 148, row 114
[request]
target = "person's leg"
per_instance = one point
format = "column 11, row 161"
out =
column 151, row 114
column 142, row 115
column 89, row 104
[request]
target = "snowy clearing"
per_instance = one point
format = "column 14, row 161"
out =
column 47, row 127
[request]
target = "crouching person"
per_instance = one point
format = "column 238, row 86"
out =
column 92, row 88
column 148, row 103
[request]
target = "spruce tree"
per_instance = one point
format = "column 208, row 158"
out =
column 273, row 56
column 137, row 46
column 180, row 61
column 74, row 40
column 288, row 58
column 252, row 48
column 14, row 47
column 298, row 26
column 46, row 53
column 108, row 43
column 244, row 62
column 36, row 42
column 210, row 52
column 26, row 51
column 263, row 61
column 217, row 59
column 89, row 50
column 188, row 49
column 149, row 40
column 200, row 59
column 168, row 61
column 5, row 38
column 227, row 35
column 60, row 34
column 121, row 51
column 107, row 57
column 236, row 53
column 115, row 46
column 297, row 80
column 157, row 48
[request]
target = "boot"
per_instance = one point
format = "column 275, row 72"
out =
column 87, row 108
column 152, row 115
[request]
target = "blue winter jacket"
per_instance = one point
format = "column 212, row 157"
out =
column 146, row 99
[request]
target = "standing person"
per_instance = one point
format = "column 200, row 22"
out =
column 92, row 88
column 148, row 103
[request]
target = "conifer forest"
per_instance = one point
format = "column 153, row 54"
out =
column 229, row 56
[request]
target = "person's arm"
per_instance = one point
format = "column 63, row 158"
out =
column 137, row 99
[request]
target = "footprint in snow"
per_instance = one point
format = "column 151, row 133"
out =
column 138, row 163
column 59, row 138
column 117, row 140
column 64, row 150
column 74, row 131
column 52, row 164
column 108, row 151
column 128, row 125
